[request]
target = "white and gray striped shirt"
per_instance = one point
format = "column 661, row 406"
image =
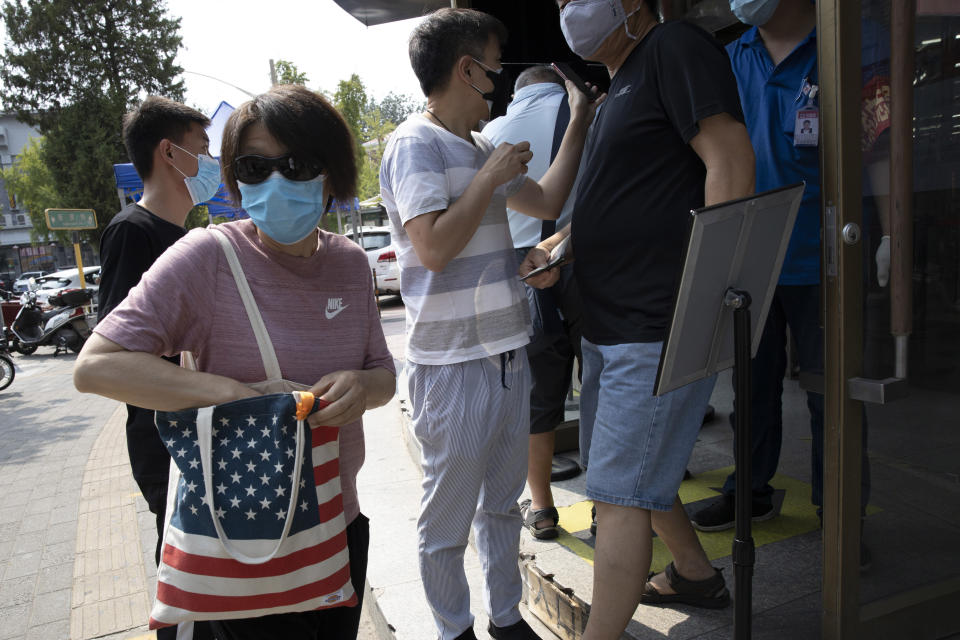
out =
column 475, row 307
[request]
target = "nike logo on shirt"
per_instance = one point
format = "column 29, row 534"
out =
column 334, row 307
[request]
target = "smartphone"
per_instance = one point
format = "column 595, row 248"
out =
column 558, row 257
column 567, row 73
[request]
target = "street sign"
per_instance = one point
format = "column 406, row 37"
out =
column 70, row 219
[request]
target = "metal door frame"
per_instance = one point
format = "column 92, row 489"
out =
column 929, row 611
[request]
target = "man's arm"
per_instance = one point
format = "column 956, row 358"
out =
column 724, row 147
column 438, row 236
column 544, row 198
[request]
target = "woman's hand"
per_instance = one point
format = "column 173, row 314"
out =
column 346, row 392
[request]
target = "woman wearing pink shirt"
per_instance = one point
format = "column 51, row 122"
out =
column 286, row 154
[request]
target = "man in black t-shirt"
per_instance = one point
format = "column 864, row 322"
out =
column 166, row 142
column 670, row 138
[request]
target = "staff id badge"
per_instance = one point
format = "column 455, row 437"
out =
column 806, row 128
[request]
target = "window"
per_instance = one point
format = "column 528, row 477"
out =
column 371, row 241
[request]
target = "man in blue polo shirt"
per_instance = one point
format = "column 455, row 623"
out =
column 775, row 64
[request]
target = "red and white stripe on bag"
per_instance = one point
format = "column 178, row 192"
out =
column 305, row 573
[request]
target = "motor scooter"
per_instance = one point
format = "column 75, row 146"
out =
column 65, row 326
column 7, row 370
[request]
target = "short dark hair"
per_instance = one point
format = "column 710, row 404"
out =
column 154, row 120
column 306, row 124
column 443, row 37
column 537, row 74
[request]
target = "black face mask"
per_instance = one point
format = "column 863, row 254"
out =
column 499, row 96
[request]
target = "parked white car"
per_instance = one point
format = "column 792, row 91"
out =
column 22, row 283
column 59, row 281
column 381, row 257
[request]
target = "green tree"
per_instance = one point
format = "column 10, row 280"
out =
column 288, row 73
column 60, row 51
column 199, row 216
column 375, row 129
column 30, row 179
column 350, row 100
column 397, row 107
column 74, row 69
column 82, row 146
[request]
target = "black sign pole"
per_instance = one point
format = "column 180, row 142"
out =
column 743, row 547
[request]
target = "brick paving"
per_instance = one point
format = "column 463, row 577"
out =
column 109, row 581
column 47, row 431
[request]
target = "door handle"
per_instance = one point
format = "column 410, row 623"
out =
column 863, row 389
column 877, row 391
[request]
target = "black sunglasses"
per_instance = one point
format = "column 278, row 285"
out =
column 251, row 169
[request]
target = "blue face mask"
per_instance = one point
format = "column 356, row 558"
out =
column 754, row 12
column 286, row 210
column 206, row 183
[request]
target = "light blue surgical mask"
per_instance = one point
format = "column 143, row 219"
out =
column 286, row 210
column 206, row 183
column 754, row 12
column 587, row 24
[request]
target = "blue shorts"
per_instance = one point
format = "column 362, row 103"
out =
column 635, row 445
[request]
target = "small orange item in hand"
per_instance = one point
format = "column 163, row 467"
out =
column 305, row 401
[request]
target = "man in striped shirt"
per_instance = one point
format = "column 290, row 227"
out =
column 446, row 190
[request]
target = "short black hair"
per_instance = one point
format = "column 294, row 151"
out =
column 306, row 124
column 537, row 74
column 154, row 120
column 443, row 37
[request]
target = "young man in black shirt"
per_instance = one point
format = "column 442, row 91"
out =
column 168, row 145
column 670, row 138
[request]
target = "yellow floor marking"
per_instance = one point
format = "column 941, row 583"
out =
column 797, row 516
column 146, row 636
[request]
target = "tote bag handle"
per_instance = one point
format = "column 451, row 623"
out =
column 205, row 438
column 271, row 365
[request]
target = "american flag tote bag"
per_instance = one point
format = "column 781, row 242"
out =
column 255, row 522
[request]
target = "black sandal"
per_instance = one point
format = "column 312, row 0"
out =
column 531, row 517
column 710, row 593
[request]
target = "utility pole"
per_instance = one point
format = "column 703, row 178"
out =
column 273, row 73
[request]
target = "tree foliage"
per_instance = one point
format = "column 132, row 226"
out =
column 73, row 69
column 288, row 73
column 199, row 216
column 370, row 120
column 30, row 179
column 350, row 100
column 82, row 146
column 59, row 52
column 396, row 108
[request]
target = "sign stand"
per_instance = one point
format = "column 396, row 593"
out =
column 72, row 220
column 732, row 263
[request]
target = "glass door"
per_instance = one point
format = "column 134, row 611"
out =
column 890, row 87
